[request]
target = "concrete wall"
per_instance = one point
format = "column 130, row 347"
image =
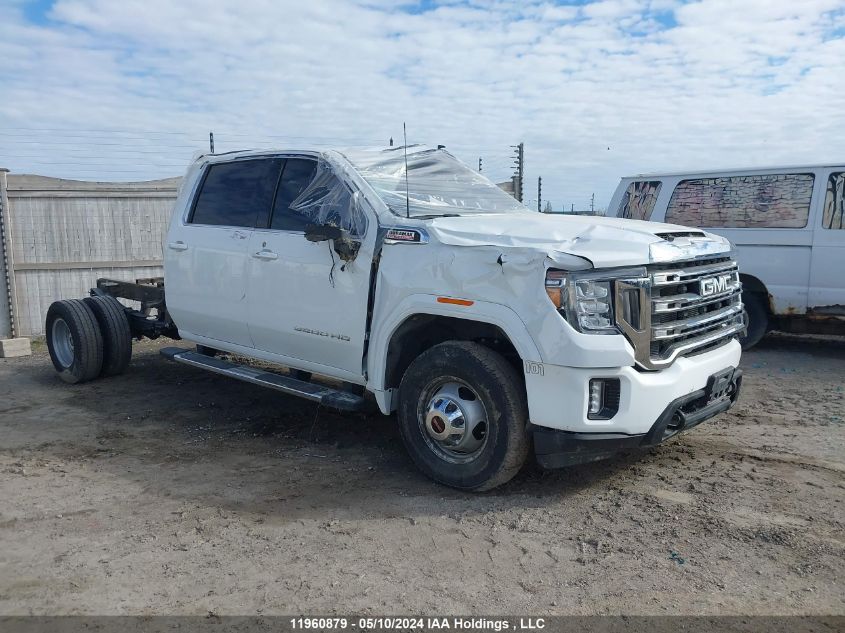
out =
column 64, row 234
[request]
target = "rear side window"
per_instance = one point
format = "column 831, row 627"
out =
column 763, row 201
column 237, row 193
column 638, row 200
column 296, row 176
column 834, row 202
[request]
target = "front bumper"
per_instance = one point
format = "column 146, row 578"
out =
column 558, row 396
column 557, row 449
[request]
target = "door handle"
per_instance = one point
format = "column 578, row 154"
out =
column 178, row 246
column 265, row 254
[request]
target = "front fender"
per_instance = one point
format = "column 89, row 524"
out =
column 493, row 313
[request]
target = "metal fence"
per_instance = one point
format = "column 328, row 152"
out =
column 59, row 236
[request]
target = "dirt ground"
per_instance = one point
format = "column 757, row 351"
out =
column 173, row 491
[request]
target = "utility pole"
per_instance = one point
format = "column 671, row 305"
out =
column 519, row 156
column 391, row 141
column 211, row 141
column 592, row 204
column 539, row 193
column 479, row 164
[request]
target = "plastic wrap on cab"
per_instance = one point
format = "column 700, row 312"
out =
column 327, row 200
column 437, row 183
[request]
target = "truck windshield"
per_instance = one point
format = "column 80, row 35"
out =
column 438, row 184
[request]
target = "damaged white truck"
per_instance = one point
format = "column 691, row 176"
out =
column 489, row 329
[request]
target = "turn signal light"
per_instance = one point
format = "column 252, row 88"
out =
column 456, row 302
column 554, row 287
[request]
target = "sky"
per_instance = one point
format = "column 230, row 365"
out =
column 129, row 90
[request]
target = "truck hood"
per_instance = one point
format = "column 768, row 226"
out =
column 605, row 242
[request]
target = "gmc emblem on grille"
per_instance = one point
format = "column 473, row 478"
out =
column 715, row 285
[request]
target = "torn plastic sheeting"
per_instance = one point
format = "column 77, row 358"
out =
column 437, row 183
column 327, row 200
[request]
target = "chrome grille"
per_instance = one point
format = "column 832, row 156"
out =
column 680, row 309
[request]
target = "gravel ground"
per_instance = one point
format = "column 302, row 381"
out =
column 173, row 491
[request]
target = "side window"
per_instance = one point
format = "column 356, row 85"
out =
column 638, row 200
column 237, row 193
column 296, row 176
column 325, row 200
column 834, row 202
column 764, row 201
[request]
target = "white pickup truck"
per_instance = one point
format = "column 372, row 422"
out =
column 402, row 273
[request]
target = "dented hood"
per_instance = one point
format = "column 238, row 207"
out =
column 605, row 242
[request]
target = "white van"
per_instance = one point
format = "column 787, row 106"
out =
column 786, row 224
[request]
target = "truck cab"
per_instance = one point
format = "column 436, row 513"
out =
column 488, row 329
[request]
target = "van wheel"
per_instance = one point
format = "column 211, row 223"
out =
column 117, row 337
column 758, row 319
column 74, row 341
column 463, row 416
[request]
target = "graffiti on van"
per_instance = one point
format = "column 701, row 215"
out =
column 763, row 201
column 834, row 202
column 639, row 200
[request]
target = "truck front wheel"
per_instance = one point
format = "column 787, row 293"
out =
column 463, row 416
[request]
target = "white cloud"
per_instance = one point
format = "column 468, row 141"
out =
column 661, row 84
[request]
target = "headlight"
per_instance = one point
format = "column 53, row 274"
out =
column 593, row 306
column 586, row 299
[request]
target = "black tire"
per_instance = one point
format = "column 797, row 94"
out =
column 499, row 388
column 758, row 319
column 83, row 360
column 117, row 336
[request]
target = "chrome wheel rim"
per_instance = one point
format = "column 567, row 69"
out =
column 453, row 420
column 62, row 343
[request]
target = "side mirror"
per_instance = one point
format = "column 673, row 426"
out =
column 347, row 247
column 344, row 245
column 322, row 232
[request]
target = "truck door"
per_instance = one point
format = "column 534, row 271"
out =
column 206, row 252
column 306, row 305
column 827, row 272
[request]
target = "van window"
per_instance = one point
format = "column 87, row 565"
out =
column 237, row 193
column 296, row 176
column 638, row 200
column 760, row 201
column 834, row 202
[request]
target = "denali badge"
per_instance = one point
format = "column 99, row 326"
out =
column 715, row 285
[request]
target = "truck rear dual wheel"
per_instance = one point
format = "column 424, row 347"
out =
column 88, row 338
column 74, row 341
column 117, row 337
column 463, row 416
